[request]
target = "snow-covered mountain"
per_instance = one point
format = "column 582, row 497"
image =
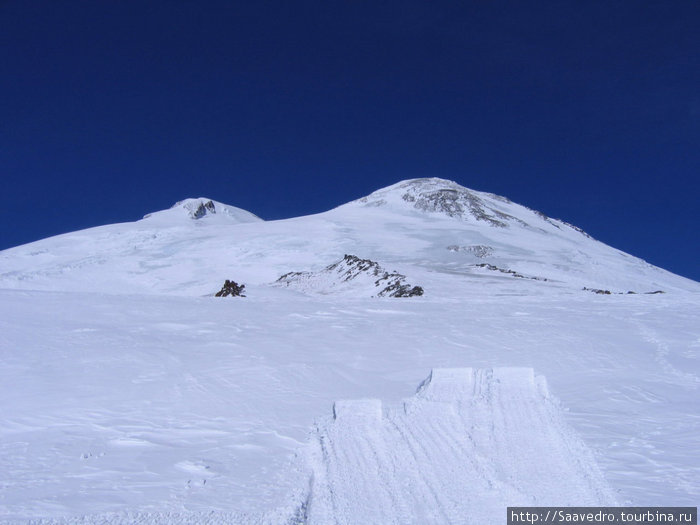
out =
column 202, row 209
column 442, row 236
column 426, row 354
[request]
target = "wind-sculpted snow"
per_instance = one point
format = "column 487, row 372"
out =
column 468, row 444
column 351, row 274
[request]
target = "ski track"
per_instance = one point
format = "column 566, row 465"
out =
column 662, row 351
column 469, row 443
column 466, row 445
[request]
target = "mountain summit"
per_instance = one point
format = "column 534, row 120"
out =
column 442, row 237
column 203, row 208
column 441, row 196
column 445, row 197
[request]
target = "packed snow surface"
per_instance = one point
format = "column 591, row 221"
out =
column 129, row 394
column 468, row 441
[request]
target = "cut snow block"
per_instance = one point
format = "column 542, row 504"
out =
column 542, row 386
column 514, row 381
column 447, row 384
column 523, row 377
column 358, row 411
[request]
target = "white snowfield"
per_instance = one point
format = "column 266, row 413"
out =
column 467, row 443
column 441, row 236
column 129, row 394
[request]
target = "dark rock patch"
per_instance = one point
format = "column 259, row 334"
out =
column 509, row 272
column 598, row 291
column 355, row 270
column 231, row 288
column 456, row 203
column 629, row 292
column 203, row 209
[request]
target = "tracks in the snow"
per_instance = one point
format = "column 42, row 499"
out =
column 468, row 444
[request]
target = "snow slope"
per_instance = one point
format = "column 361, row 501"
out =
column 114, row 403
column 129, row 394
column 433, row 231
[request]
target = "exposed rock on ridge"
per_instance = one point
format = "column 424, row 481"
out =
column 445, row 197
column 193, row 210
column 197, row 209
column 231, row 288
column 352, row 273
column 203, row 209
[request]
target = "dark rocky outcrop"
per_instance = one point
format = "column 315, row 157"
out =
column 351, row 266
column 396, row 289
column 629, row 292
column 598, row 291
column 203, row 209
column 509, row 272
column 231, row 288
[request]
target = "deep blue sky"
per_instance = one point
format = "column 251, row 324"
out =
column 586, row 111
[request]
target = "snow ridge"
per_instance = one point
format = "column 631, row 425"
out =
column 349, row 274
